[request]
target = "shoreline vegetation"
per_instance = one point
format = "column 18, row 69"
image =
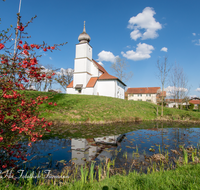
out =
column 185, row 176
column 95, row 110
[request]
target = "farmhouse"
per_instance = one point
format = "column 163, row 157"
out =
column 91, row 78
column 149, row 94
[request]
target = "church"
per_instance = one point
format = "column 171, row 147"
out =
column 89, row 77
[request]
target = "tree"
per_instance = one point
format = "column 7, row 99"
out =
column 119, row 67
column 19, row 115
column 163, row 71
column 179, row 82
column 64, row 77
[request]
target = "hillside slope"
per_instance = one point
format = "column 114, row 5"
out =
column 99, row 109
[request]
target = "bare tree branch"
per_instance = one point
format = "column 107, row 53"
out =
column 119, row 67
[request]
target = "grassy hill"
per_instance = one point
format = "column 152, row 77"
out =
column 99, row 109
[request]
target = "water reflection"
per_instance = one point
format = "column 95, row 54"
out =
column 134, row 146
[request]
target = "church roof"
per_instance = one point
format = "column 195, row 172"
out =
column 70, row 85
column 104, row 76
column 92, row 82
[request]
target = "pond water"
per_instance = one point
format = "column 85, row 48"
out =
column 126, row 148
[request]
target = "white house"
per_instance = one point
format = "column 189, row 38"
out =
column 148, row 94
column 91, row 78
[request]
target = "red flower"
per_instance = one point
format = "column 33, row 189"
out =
column 55, row 104
column 1, row 139
column 44, row 49
column 25, row 46
column 53, row 47
column 48, row 47
column 50, row 103
column 37, row 47
column 26, row 52
column 20, row 42
column 19, row 47
column 32, row 45
column 1, row 46
column 21, row 28
column 30, row 144
column 4, row 166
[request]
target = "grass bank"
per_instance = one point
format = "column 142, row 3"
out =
column 184, row 177
column 98, row 109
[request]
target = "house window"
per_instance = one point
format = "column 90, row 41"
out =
column 148, row 95
column 139, row 99
column 139, row 95
column 148, row 100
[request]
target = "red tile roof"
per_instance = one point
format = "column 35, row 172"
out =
column 146, row 90
column 100, row 67
column 194, row 101
column 174, row 100
column 70, row 85
column 104, row 76
column 92, row 82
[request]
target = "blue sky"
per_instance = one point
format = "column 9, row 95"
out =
column 134, row 30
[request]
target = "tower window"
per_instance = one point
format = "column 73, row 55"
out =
column 79, row 91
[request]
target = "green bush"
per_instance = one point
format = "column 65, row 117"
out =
column 191, row 106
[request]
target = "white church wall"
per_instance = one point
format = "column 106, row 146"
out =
column 83, row 50
column 106, row 88
column 71, row 91
column 82, row 65
column 95, row 88
column 120, row 89
column 94, row 70
column 81, row 78
column 87, row 91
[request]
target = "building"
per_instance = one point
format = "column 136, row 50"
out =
column 195, row 101
column 91, row 78
column 148, row 94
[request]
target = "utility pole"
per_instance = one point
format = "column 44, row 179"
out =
column 16, row 33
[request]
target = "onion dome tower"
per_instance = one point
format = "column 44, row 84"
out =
column 84, row 37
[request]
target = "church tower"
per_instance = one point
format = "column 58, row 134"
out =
column 82, row 62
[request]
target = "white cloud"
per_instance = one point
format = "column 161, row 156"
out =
column 194, row 34
column 106, row 56
column 198, row 90
column 128, row 46
column 146, row 21
column 50, row 58
column 164, row 49
column 193, row 96
column 64, row 71
column 100, row 63
column 171, row 90
column 143, row 51
column 198, row 43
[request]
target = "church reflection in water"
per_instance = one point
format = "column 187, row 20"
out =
column 59, row 152
column 94, row 148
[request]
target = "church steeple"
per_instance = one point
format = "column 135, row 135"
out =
column 84, row 37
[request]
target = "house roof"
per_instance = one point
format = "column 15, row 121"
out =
column 174, row 100
column 144, row 90
column 194, row 101
column 92, row 82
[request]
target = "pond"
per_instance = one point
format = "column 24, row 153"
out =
column 127, row 151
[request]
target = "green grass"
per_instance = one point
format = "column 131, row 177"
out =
column 184, row 177
column 98, row 109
